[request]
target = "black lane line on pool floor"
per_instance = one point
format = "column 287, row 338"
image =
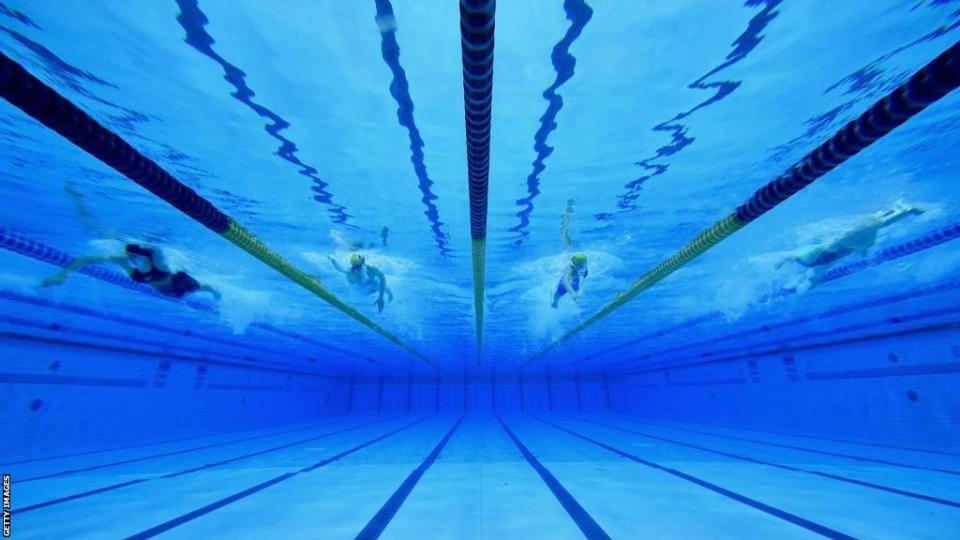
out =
column 590, row 528
column 227, row 461
column 190, row 516
column 381, row 519
column 165, row 454
column 141, row 445
column 766, row 508
column 906, row 493
column 812, row 450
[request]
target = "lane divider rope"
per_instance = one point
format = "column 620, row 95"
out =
column 48, row 107
column 476, row 40
column 929, row 84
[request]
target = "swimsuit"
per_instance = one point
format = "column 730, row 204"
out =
column 176, row 285
column 831, row 255
column 575, row 281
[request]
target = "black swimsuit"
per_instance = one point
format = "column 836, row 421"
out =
column 152, row 276
column 177, row 285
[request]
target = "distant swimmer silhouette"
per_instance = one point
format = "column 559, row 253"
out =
column 143, row 264
column 565, row 220
column 366, row 277
column 572, row 278
column 819, row 258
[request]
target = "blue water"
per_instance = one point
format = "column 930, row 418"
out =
column 744, row 396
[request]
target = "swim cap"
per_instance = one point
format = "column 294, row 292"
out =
column 580, row 259
column 356, row 259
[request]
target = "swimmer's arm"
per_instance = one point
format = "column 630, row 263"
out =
column 378, row 275
column 375, row 274
column 337, row 266
column 209, row 289
column 568, row 283
column 81, row 262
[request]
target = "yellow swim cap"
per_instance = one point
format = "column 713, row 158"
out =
column 580, row 259
column 356, row 259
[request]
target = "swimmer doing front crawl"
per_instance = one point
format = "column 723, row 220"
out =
column 143, row 264
column 573, row 275
column 366, row 278
column 819, row 258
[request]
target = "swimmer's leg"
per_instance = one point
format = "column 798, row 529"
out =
column 816, row 276
column 784, row 261
column 811, row 279
column 561, row 290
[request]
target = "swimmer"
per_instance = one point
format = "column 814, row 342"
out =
column 384, row 234
column 821, row 257
column 144, row 265
column 366, row 277
column 571, row 279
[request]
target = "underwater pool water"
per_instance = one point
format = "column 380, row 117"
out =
column 388, row 269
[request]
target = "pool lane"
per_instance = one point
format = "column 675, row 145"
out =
column 137, row 508
column 481, row 487
column 952, row 455
column 837, row 506
column 382, row 518
column 37, row 472
column 920, row 460
column 333, row 500
column 74, row 458
column 629, row 500
column 139, row 467
column 480, row 476
column 923, row 484
column 47, row 493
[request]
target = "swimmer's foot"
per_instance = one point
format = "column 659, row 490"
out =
column 53, row 281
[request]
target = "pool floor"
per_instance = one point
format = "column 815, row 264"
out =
column 482, row 475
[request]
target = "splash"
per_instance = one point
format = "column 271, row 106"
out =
column 533, row 283
column 240, row 307
column 774, row 276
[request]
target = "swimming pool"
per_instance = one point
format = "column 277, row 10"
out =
column 542, row 269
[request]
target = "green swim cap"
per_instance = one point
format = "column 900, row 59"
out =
column 580, row 259
column 356, row 259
